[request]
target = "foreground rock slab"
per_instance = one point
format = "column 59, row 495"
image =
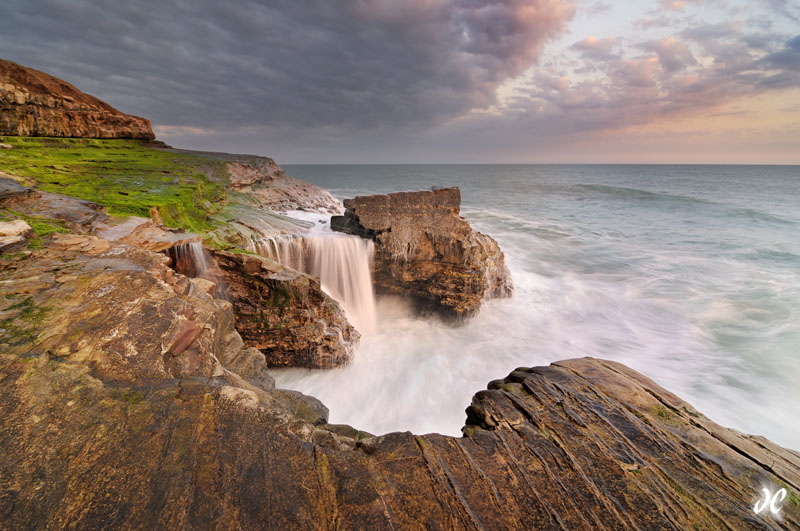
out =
column 33, row 103
column 128, row 401
column 426, row 250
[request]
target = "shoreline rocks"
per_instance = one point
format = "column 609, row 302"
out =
column 134, row 414
column 425, row 249
column 279, row 311
column 33, row 103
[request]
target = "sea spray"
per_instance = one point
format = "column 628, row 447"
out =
column 683, row 283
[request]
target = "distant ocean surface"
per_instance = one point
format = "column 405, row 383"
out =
column 688, row 274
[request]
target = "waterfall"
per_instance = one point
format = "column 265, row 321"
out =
column 193, row 260
column 341, row 262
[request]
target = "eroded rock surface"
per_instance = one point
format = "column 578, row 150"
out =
column 125, row 415
column 424, row 248
column 282, row 312
column 33, row 103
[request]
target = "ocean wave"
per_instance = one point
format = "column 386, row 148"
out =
column 625, row 193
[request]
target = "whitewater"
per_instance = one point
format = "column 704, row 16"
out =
column 688, row 274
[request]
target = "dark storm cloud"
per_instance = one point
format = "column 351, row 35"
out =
column 349, row 64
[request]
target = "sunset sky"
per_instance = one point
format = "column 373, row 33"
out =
column 407, row 81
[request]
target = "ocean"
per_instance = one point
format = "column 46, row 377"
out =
column 688, row 274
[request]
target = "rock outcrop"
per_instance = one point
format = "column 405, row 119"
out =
column 425, row 249
column 33, row 103
column 272, row 188
column 14, row 235
column 282, row 312
column 120, row 406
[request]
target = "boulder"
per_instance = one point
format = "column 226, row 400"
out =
column 426, row 250
column 17, row 227
column 284, row 313
column 14, row 236
column 33, row 103
column 280, row 311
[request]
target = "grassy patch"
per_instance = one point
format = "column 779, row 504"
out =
column 128, row 177
column 42, row 227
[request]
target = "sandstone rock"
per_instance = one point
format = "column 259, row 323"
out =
column 3, row 145
column 12, row 244
column 33, row 103
column 277, row 191
column 77, row 214
column 142, row 233
column 11, row 189
column 281, row 312
column 95, row 439
column 14, row 236
column 425, row 249
column 15, row 228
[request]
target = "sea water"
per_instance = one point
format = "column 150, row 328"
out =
column 688, row 274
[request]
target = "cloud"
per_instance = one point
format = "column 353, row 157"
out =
column 672, row 5
column 347, row 63
column 673, row 55
column 596, row 49
column 783, row 7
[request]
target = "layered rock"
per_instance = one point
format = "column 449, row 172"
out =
column 282, row 312
column 33, row 103
column 14, row 235
column 425, row 249
column 117, row 410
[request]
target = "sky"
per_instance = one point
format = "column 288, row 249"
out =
column 436, row 81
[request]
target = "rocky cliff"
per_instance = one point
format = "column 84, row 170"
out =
column 280, row 311
column 425, row 249
column 128, row 401
column 33, row 103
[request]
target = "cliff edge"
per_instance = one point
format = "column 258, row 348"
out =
column 33, row 103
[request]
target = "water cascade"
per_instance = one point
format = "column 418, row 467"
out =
column 341, row 262
column 193, row 260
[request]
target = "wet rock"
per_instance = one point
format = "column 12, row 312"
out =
column 275, row 190
column 77, row 214
column 281, row 312
column 36, row 104
column 304, row 407
column 102, row 426
column 10, row 188
column 425, row 249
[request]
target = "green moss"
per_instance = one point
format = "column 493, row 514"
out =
column 132, row 397
column 42, row 228
column 25, row 320
column 128, row 177
column 662, row 413
column 791, row 495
